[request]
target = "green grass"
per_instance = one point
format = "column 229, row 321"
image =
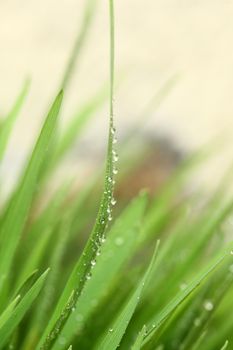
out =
column 79, row 271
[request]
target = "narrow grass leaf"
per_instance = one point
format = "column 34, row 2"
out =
column 112, row 338
column 158, row 321
column 8, row 123
column 83, row 267
column 17, row 210
column 20, row 310
column 119, row 247
column 7, row 313
column 139, row 340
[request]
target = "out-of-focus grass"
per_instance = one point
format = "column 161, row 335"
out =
column 61, row 286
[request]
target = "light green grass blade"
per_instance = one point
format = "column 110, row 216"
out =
column 8, row 123
column 78, row 123
column 112, row 338
column 118, row 249
column 7, row 313
column 139, row 340
column 225, row 345
column 20, row 310
column 82, row 269
column 158, row 321
column 17, row 210
column 80, row 41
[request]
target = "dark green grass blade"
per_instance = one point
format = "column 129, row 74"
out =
column 113, row 336
column 17, row 210
column 8, row 123
column 20, row 310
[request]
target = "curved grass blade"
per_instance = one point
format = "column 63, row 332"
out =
column 20, row 310
column 77, row 124
column 7, row 313
column 17, row 211
column 112, row 338
column 225, row 345
column 159, row 320
column 80, row 41
column 82, row 269
column 8, row 123
column 118, row 249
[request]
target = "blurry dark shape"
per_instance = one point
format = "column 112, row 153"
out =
column 153, row 167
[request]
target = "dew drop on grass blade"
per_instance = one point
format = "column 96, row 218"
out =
column 119, row 248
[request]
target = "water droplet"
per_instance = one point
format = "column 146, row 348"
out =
column 88, row 277
column 208, row 305
column 114, row 141
column 73, row 309
column 109, row 179
column 119, row 241
column 232, row 252
column 93, row 263
column 108, row 210
column 113, row 130
column 110, row 330
column 110, row 218
column 113, row 201
column 115, row 171
column 98, row 252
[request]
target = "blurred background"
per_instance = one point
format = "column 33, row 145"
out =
column 157, row 41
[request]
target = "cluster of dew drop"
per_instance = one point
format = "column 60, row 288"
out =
column 107, row 203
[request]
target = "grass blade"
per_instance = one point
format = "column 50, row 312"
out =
column 20, row 310
column 158, row 321
column 8, row 123
column 17, row 210
column 82, row 269
column 112, row 338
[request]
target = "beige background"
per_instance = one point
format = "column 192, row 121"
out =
column 154, row 40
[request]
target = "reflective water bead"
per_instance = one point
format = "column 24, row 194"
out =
column 88, row 277
column 113, row 201
column 208, row 305
column 93, row 262
column 113, row 130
